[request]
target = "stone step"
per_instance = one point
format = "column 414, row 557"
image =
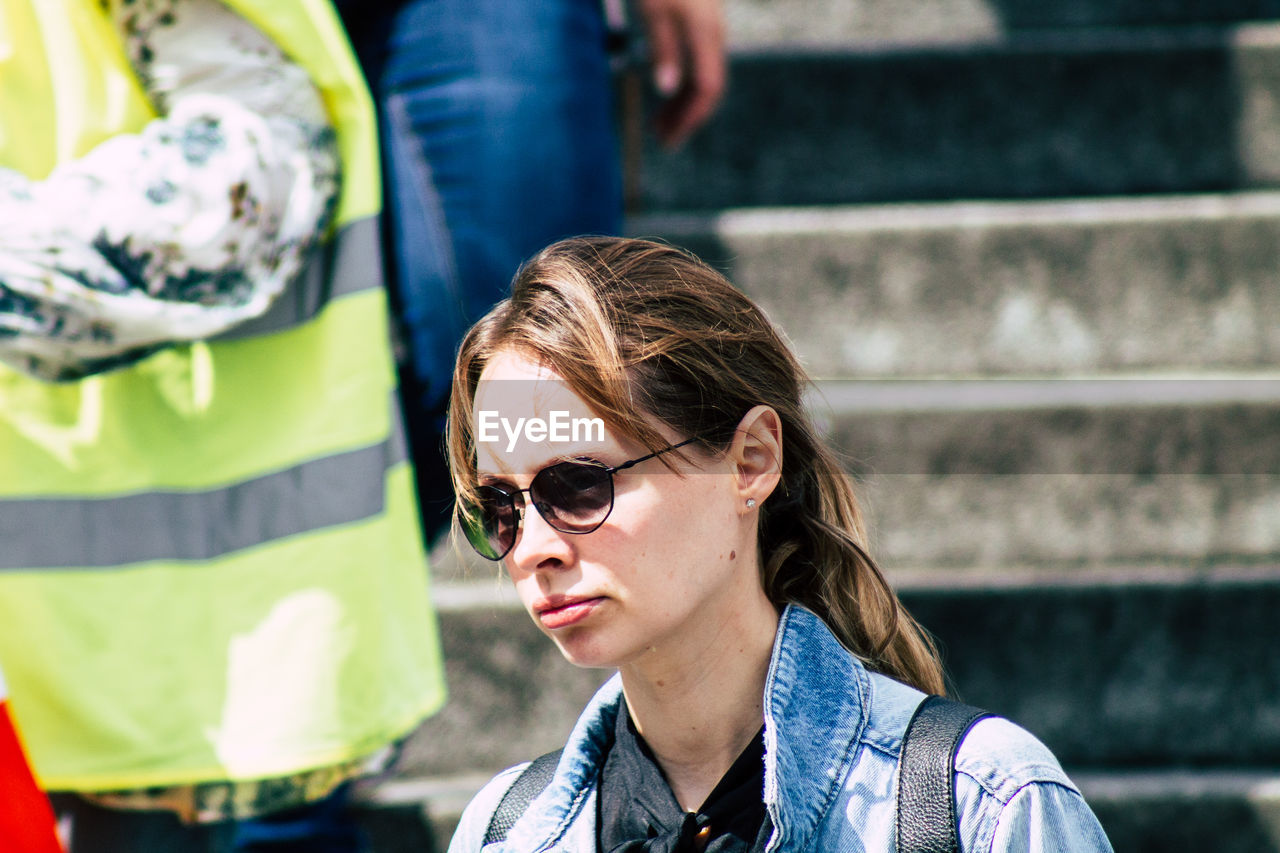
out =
column 1058, row 473
column 1138, row 670
column 1171, row 811
column 996, row 288
column 414, row 814
column 774, row 23
column 1046, row 115
column 1145, row 668
column 1187, row 811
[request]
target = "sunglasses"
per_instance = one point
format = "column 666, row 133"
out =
column 572, row 497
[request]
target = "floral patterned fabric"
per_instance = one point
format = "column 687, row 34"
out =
column 181, row 231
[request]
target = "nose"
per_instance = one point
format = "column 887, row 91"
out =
column 539, row 546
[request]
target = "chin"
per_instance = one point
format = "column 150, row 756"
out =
column 583, row 650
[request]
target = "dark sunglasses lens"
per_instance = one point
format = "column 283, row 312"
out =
column 490, row 524
column 574, row 497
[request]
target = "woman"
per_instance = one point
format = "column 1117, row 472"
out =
column 705, row 543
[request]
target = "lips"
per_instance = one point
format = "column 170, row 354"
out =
column 561, row 611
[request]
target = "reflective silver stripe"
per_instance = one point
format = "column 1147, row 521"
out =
column 107, row 532
column 349, row 263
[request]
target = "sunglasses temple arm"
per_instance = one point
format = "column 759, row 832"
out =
column 626, row 465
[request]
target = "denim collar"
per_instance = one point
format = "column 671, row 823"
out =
column 816, row 702
column 815, row 710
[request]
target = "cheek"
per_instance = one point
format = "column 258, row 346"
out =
column 705, row 502
column 690, row 524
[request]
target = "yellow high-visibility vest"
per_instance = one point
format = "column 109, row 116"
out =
column 210, row 564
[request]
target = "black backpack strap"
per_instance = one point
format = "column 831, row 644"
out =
column 529, row 784
column 926, row 821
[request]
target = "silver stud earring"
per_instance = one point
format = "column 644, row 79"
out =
column 751, row 503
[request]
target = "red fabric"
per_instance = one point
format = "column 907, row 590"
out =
column 26, row 818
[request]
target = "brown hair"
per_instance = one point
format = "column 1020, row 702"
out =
column 637, row 326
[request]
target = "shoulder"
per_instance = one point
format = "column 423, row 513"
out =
column 1002, row 757
column 999, row 755
column 1012, row 793
column 469, row 836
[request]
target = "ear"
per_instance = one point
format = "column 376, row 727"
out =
column 756, row 453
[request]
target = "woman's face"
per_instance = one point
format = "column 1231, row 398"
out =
column 667, row 570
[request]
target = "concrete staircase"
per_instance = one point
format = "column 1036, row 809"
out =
column 1031, row 252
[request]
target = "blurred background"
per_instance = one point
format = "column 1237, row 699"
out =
column 1030, row 251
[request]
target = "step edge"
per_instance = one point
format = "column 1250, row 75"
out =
column 1258, row 786
column 837, row 397
column 820, row 220
column 466, row 596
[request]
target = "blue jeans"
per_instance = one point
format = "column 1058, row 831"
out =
column 498, row 138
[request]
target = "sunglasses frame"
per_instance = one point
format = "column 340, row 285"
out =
column 519, row 511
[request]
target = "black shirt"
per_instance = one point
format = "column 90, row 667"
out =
column 639, row 814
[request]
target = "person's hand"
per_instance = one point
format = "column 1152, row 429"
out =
column 686, row 39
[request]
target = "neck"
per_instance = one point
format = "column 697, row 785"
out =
column 699, row 709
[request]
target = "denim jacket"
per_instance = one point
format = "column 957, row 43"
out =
column 833, row 733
